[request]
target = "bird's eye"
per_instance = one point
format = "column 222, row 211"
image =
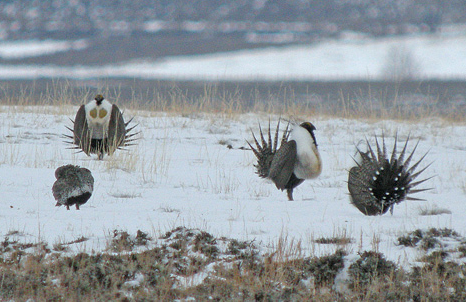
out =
column 102, row 113
column 93, row 113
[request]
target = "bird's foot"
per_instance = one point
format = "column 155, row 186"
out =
column 289, row 193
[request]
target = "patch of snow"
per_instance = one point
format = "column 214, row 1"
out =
column 138, row 279
column 32, row 48
column 352, row 57
column 196, row 279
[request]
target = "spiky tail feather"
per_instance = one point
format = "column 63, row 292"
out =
column 377, row 183
column 266, row 149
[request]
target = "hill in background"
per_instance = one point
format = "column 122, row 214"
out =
column 118, row 31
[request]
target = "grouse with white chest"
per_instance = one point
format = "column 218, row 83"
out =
column 295, row 160
column 99, row 128
column 74, row 186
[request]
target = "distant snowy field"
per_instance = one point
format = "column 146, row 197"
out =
column 352, row 56
column 32, row 48
column 181, row 173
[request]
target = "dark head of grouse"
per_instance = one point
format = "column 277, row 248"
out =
column 378, row 182
column 99, row 128
column 74, row 186
column 296, row 159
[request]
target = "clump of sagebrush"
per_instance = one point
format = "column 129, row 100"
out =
column 206, row 244
column 247, row 288
column 12, row 251
column 369, row 267
column 236, row 247
column 63, row 246
column 303, row 275
column 426, row 240
column 90, row 275
column 462, row 249
column 183, row 240
column 333, row 240
column 438, row 279
column 85, row 277
column 142, row 238
column 373, row 278
column 122, row 241
column 243, row 250
column 190, row 250
column 6, row 244
column 411, row 239
column 325, row 269
column 266, row 280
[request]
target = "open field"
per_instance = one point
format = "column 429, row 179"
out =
column 182, row 214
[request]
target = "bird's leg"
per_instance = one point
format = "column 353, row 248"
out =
column 289, row 193
column 77, row 206
column 68, row 207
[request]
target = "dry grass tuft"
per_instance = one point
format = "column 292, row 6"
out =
column 433, row 210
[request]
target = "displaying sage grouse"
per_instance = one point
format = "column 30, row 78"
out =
column 99, row 128
column 74, row 186
column 295, row 160
column 377, row 183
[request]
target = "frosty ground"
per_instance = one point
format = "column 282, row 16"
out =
column 193, row 170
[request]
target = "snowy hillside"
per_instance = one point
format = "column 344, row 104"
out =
column 350, row 57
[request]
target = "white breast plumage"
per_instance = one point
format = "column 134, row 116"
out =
column 98, row 118
column 308, row 164
column 98, row 114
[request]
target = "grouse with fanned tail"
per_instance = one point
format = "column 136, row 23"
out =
column 296, row 159
column 377, row 183
column 99, row 128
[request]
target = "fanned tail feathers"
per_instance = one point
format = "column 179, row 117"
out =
column 379, row 181
column 267, row 147
column 128, row 140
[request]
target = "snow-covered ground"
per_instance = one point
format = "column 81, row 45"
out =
column 32, row 48
column 350, row 57
column 181, row 173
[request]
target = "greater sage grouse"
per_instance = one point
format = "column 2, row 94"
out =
column 377, row 183
column 74, row 186
column 296, row 159
column 99, row 128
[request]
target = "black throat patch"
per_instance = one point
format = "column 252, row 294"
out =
column 99, row 98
